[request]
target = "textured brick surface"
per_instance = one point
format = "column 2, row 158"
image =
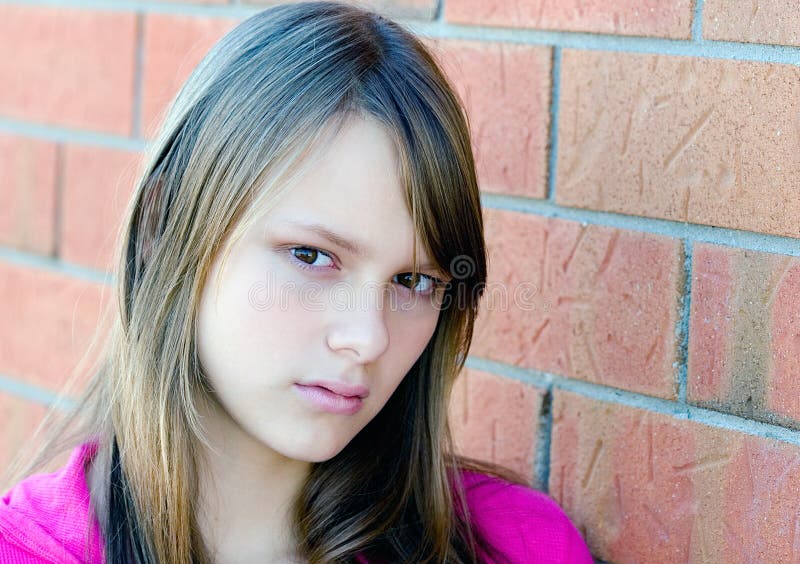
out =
column 495, row 418
column 645, row 487
column 506, row 91
column 744, row 338
column 589, row 302
column 47, row 323
column 69, row 67
column 754, row 21
column 404, row 9
column 726, row 149
column 20, row 419
column 97, row 185
column 173, row 46
column 663, row 18
column 27, row 194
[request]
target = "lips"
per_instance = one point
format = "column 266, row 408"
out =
column 340, row 388
column 323, row 399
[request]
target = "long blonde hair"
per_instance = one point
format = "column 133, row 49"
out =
column 246, row 123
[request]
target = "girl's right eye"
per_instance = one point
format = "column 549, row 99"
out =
column 306, row 257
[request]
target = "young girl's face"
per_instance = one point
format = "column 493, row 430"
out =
column 319, row 290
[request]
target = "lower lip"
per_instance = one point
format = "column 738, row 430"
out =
column 326, row 400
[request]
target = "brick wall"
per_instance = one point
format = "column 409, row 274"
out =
column 638, row 355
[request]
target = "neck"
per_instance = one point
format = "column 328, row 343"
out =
column 246, row 494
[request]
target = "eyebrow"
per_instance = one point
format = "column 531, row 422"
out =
column 350, row 245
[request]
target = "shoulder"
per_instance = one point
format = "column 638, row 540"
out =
column 527, row 525
column 45, row 518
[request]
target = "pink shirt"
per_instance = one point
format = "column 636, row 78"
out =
column 44, row 517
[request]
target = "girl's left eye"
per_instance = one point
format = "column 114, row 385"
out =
column 423, row 284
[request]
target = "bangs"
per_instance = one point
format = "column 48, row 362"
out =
column 406, row 91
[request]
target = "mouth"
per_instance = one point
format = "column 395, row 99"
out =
column 340, row 388
column 326, row 400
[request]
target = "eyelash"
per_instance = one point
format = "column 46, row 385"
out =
column 437, row 283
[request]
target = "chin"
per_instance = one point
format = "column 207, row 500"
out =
column 313, row 448
column 310, row 455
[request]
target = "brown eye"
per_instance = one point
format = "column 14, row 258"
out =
column 406, row 280
column 306, row 255
column 421, row 283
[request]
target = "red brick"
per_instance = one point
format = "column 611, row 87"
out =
column 495, row 418
column 20, row 419
column 784, row 385
column 173, row 46
column 710, row 324
column 405, row 9
column 602, row 303
column 506, row 91
column 761, row 21
column 98, row 184
column 68, row 67
column 27, row 194
column 644, row 487
column 47, row 323
column 660, row 18
column 726, row 149
column 744, row 337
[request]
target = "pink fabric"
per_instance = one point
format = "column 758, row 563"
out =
column 527, row 525
column 44, row 518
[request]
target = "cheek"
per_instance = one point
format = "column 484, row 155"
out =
column 264, row 300
column 240, row 331
column 411, row 333
column 408, row 338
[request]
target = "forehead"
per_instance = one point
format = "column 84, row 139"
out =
column 352, row 194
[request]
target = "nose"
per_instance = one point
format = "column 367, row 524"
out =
column 359, row 326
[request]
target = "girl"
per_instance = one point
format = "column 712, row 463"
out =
column 293, row 308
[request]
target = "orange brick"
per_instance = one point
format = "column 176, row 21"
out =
column 661, row 18
column 495, row 418
column 405, row 9
column 644, row 487
column 47, row 323
column 173, row 46
column 506, row 91
column 68, row 67
column 20, row 419
column 710, row 324
column 726, row 149
column 744, row 338
column 27, row 194
column 588, row 302
column 98, row 184
column 760, row 21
